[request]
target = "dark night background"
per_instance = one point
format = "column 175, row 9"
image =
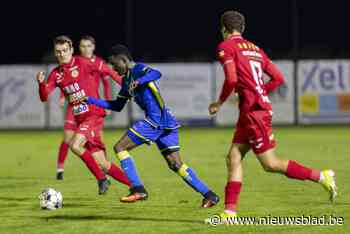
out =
column 162, row 31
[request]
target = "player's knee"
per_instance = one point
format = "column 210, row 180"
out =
column 233, row 158
column 103, row 166
column 174, row 164
column 67, row 139
column 118, row 148
column 75, row 147
column 271, row 166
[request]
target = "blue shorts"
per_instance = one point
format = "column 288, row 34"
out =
column 167, row 140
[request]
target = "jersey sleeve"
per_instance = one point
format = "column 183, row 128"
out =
column 226, row 58
column 106, row 71
column 115, row 105
column 276, row 76
column 147, row 74
column 224, row 54
column 46, row 87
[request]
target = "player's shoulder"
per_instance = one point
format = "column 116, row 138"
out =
column 225, row 45
column 140, row 68
column 56, row 73
column 97, row 59
column 78, row 60
column 55, row 70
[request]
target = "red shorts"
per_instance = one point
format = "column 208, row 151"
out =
column 92, row 129
column 69, row 121
column 254, row 129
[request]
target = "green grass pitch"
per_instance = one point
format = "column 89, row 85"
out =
column 28, row 161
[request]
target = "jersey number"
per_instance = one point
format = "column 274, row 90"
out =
column 257, row 75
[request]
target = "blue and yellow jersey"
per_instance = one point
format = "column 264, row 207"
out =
column 147, row 96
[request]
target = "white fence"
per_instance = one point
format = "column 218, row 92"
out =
column 323, row 95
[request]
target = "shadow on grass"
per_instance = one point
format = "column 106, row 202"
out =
column 18, row 199
column 102, row 217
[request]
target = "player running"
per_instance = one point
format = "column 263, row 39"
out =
column 244, row 64
column 75, row 77
column 87, row 47
column 159, row 126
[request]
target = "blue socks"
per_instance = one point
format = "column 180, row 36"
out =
column 129, row 168
column 191, row 179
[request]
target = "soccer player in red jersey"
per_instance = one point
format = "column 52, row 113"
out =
column 75, row 77
column 244, row 64
column 87, row 47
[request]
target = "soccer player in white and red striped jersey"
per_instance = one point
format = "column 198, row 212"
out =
column 244, row 64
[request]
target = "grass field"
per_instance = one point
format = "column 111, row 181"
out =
column 28, row 165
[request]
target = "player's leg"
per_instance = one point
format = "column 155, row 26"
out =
column 98, row 150
column 263, row 145
column 77, row 145
column 110, row 168
column 234, row 158
column 69, row 127
column 168, row 144
column 234, row 176
column 294, row 170
column 130, row 140
column 63, row 152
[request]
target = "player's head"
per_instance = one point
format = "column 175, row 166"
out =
column 232, row 22
column 63, row 49
column 87, row 46
column 121, row 58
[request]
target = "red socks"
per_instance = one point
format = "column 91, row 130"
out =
column 118, row 175
column 92, row 165
column 299, row 172
column 62, row 155
column 232, row 191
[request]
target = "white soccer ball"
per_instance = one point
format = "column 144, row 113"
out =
column 50, row 199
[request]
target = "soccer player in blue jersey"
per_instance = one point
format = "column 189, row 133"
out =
column 158, row 126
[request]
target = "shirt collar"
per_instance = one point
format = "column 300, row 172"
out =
column 235, row 37
column 68, row 65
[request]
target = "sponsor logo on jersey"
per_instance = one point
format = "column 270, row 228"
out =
column 80, row 109
column 75, row 73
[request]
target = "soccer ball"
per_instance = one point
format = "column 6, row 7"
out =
column 50, row 199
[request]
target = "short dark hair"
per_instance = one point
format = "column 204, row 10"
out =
column 233, row 21
column 62, row 40
column 88, row 38
column 120, row 49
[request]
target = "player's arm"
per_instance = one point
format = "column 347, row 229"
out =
column 227, row 61
column 276, row 76
column 45, row 88
column 61, row 99
column 150, row 75
column 106, row 71
column 107, row 88
column 114, row 105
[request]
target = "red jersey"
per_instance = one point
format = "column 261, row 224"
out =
column 244, row 64
column 104, row 75
column 77, row 80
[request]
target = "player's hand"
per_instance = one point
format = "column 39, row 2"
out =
column 108, row 112
column 84, row 99
column 40, row 77
column 133, row 85
column 214, row 108
column 80, row 100
column 61, row 102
